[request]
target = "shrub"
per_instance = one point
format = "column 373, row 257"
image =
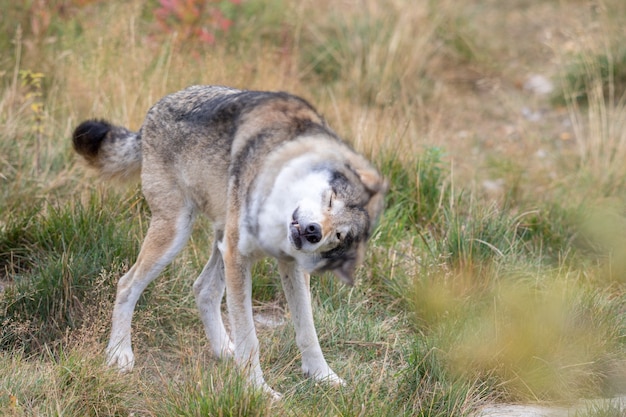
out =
column 193, row 20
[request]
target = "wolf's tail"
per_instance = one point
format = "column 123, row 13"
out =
column 113, row 151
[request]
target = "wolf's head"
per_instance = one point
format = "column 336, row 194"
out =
column 333, row 220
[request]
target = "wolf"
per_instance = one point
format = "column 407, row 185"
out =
column 275, row 181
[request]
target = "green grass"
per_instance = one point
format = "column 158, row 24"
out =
column 605, row 410
column 463, row 299
column 606, row 72
column 55, row 258
column 207, row 391
column 62, row 383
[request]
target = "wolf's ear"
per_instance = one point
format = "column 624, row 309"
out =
column 372, row 180
column 377, row 186
column 346, row 271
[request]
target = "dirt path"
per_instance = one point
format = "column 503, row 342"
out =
column 609, row 407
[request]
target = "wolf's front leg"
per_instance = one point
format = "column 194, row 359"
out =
column 296, row 284
column 239, row 302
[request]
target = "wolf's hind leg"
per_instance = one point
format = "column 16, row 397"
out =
column 296, row 284
column 209, row 291
column 165, row 238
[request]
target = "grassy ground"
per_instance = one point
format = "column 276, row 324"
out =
column 496, row 274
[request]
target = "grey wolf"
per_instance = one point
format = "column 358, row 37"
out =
column 274, row 179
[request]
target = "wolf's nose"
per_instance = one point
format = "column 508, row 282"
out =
column 313, row 233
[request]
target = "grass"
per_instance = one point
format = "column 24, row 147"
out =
column 602, row 410
column 466, row 297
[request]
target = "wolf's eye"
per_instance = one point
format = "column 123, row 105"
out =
column 330, row 201
column 333, row 194
column 338, row 236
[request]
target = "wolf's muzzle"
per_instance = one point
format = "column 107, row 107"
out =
column 312, row 232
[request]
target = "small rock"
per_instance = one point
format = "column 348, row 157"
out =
column 493, row 188
column 539, row 85
column 530, row 115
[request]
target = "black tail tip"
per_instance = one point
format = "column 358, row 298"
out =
column 88, row 137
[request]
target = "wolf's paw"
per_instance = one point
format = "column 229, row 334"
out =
column 225, row 351
column 331, row 379
column 123, row 359
column 324, row 374
column 256, row 381
column 274, row 395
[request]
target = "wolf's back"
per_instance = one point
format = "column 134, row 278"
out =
column 113, row 151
